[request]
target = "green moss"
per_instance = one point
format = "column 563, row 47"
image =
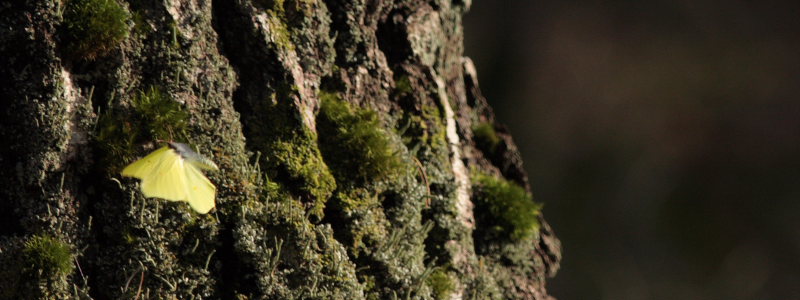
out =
column 276, row 16
column 441, row 283
column 160, row 115
column 293, row 156
column 486, row 138
column 403, row 85
column 354, row 143
column 434, row 116
column 91, row 28
column 281, row 34
column 504, row 208
column 301, row 159
column 116, row 139
column 275, row 6
column 154, row 116
column 48, row 255
column 140, row 25
column 365, row 226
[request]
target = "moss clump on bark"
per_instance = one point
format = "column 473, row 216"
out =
column 35, row 268
column 94, row 27
column 354, row 142
column 441, row 284
column 503, row 209
column 47, row 256
column 160, row 115
column 403, row 85
column 155, row 116
column 301, row 159
column 292, row 157
column 486, row 138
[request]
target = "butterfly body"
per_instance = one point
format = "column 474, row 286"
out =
column 173, row 173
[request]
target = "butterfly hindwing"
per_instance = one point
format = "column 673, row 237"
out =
column 200, row 192
column 167, row 174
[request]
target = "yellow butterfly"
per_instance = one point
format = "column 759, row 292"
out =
column 173, row 173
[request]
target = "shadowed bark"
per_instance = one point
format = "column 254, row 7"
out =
column 345, row 133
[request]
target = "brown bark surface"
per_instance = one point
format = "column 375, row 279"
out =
column 344, row 132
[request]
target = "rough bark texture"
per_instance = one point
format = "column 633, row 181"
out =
column 344, row 131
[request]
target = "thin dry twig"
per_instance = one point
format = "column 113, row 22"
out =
column 80, row 270
column 424, row 178
column 139, row 291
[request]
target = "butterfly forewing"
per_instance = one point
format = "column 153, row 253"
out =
column 167, row 180
column 144, row 167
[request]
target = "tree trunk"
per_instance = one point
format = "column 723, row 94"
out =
column 351, row 136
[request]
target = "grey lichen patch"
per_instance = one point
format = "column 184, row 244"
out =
column 91, row 28
column 511, row 271
column 354, row 142
column 376, row 207
column 289, row 257
column 506, row 210
column 426, row 36
column 310, row 23
column 424, row 131
column 381, row 228
column 365, row 222
column 485, row 285
column 298, row 34
column 155, row 240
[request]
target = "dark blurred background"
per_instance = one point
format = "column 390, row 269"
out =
column 662, row 136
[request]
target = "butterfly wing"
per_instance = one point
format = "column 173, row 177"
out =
column 192, row 157
column 145, row 166
column 163, row 176
column 166, row 174
column 200, row 191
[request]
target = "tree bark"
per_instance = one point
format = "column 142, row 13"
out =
column 370, row 197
